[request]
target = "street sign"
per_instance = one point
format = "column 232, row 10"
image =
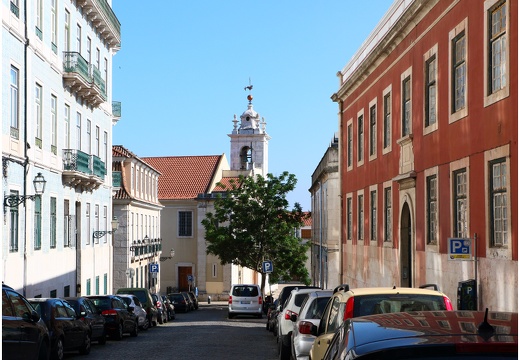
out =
column 190, row 278
column 459, row 249
column 154, row 268
column 130, row 272
column 267, row 266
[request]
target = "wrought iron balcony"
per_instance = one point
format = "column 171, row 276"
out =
column 83, row 171
column 116, row 109
column 83, row 79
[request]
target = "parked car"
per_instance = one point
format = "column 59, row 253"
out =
column 310, row 314
column 194, row 299
column 120, row 318
column 145, row 297
column 272, row 317
column 24, row 334
column 245, row 299
column 286, row 291
column 189, row 299
column 427, row 334
column 139, row 311
column 347, row 303
column 162, row 311
column 286, row 317
column 91, row 316
column 179, row 301
column 67, row 331
column 170, row 308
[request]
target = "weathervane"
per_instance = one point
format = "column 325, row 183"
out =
column 250, row 87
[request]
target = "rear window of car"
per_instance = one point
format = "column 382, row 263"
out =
column 141, row 295
column 315, row 308
column 102, row 303
column 380, row 304
column 245, row 291
column 298, row 299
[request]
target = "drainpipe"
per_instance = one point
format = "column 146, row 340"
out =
column 321, row 237
column 25, row 164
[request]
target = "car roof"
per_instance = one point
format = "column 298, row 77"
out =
column 388, row 290
column 429, row 326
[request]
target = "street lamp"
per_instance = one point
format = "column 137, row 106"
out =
column 164, row 258
column 39, row 187
column 100, row 234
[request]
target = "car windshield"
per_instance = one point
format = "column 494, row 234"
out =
column 384, row 303
column 244, row 290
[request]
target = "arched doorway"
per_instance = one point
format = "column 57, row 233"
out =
column 406, row 247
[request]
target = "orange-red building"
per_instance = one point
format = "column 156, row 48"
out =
column 428, row 117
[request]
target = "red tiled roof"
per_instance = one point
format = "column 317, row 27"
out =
column 308, row 219
column 226, row 181
column 184, row 177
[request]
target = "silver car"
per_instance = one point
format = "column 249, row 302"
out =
column 245, row 299
column 132, row 300
column 309, row 315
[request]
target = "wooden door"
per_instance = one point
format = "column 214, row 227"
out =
column 184, row 271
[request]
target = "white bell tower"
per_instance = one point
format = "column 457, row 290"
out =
column 249, row 142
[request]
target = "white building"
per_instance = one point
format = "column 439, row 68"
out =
column 57, row 117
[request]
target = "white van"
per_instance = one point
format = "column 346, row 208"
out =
column 245, row 299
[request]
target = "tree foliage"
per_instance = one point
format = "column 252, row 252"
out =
column 251, row 223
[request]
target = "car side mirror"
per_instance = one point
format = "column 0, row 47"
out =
column 33, row 316
column 294, row 317
column 314, row 330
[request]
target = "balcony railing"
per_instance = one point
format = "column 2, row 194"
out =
column 76, row 160
column 116, row 179
column 98, row 167
column 116, row 109
column 82, row 171
column 73, row 62
column 83, row 79
column 146, row 248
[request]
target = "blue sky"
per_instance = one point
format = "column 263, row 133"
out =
column 183, row 65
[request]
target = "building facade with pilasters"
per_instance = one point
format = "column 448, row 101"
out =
column 428, row 117
column 57, row 118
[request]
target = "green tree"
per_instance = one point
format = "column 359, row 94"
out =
column 251, row 223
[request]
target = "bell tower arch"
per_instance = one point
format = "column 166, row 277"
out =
column 249, row 142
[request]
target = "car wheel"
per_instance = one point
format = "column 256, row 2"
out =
column 284, row 351
column 85, row 348
column 43, row 353
column 118, row 335
column 57, row 353
column 146, row 325
column 136, row 330
column 103, row 339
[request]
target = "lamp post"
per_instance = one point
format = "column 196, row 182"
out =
column 39, row 188
column 100, row 234
column 164, row 258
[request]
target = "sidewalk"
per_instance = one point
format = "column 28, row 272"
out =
column 213, row 303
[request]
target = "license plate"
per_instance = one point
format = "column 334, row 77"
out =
column 245, row 302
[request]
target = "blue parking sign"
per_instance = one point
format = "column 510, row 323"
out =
column 459, row 249
column 267, row 266
column 154, row 268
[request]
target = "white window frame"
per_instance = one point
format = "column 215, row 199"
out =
column 432, row 53
column 461, row 113
column 388, row 148
column 434, row 245
column 360, row 158
column 372, row 136
column 489, row 97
